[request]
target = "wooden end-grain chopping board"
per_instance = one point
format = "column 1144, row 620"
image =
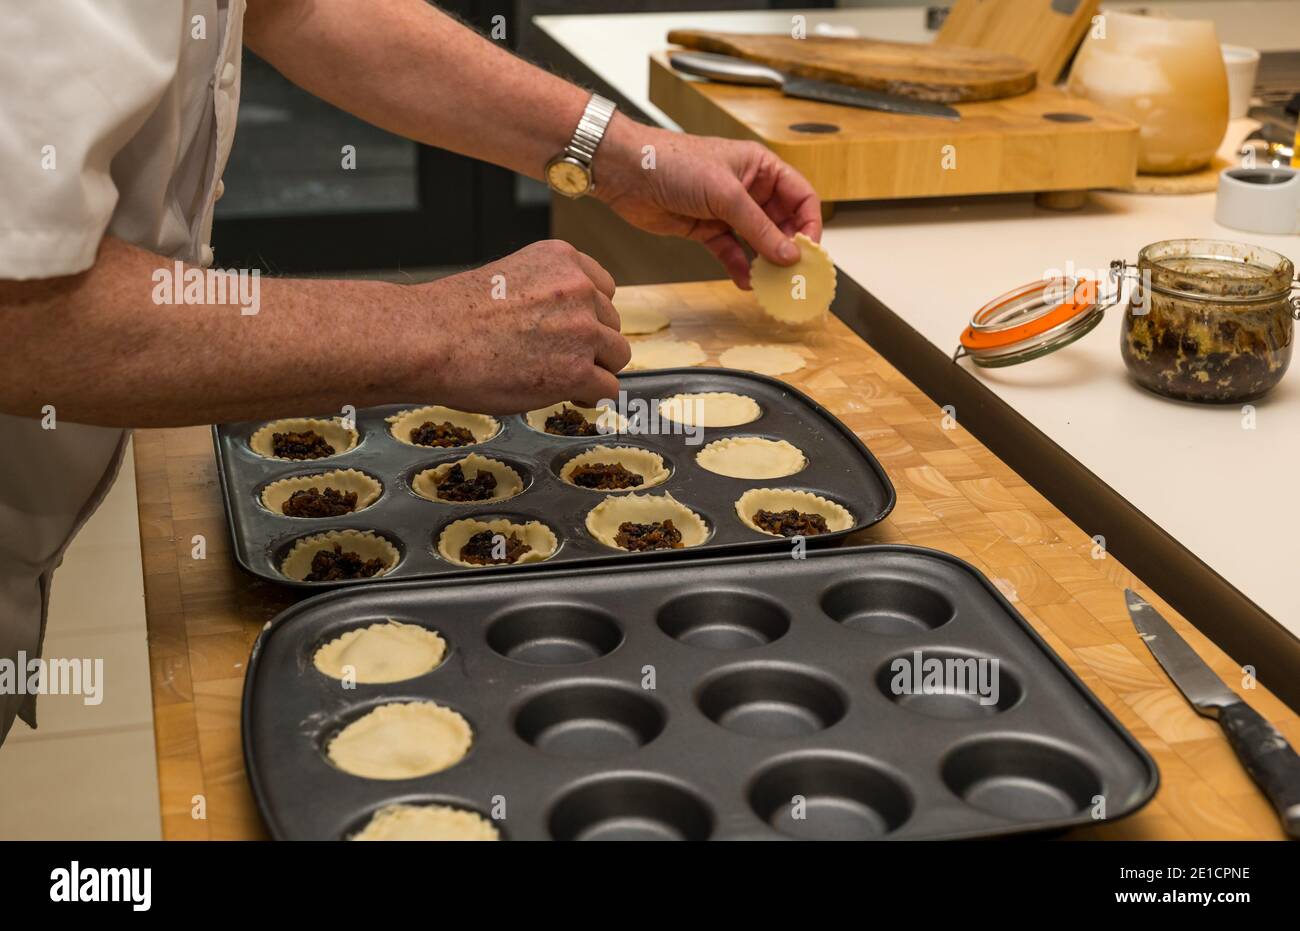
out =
column 926, row 72
column 1040, row 141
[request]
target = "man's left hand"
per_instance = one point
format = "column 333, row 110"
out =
column 708, row 189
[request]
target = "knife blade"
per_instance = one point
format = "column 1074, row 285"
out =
column 1264, row 752
column 738, row 71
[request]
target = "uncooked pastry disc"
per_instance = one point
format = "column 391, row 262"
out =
column 665, row 354
column 401, row 740
column 365, row 543
column 638, row 319
column 427, row 822
column 766, row 360
column 604, row 519
column 650, row 466
column 783, row 499
column 710, row 409
column 509, row 484
column 788, row 299
column 536, row 534
column 341, row 437
column 386, row 652
column 368, row 489
column 606, row 419
column 481, row 425
column 753, row 457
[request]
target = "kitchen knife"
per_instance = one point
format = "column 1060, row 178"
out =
column 1262, row 750
column 738, row 71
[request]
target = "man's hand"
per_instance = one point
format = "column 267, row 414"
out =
column 532, row 329
column 707, row 189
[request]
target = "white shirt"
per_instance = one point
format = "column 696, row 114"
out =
column 116, row 117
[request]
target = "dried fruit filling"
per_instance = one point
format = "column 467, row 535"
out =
column 484, row 547
column 570, row 422
column 334, row 565
column 658, row 535
column 604, row 476
column 791, row 523
column 312, row 502
column 454, row 486
column 305, row 445
column 441, row 434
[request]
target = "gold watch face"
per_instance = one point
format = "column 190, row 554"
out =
column 568, row 177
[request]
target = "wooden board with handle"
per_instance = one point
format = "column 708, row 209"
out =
column 925, row 72
column 1037, row 142
column 1044, row 33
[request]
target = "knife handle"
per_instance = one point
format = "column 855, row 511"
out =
column 725, row 68
column 1269, row 759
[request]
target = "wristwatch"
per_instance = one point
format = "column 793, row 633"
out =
column 569, row 173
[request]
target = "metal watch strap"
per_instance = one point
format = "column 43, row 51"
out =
column 591, row 129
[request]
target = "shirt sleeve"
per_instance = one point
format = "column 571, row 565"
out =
column 77, row 82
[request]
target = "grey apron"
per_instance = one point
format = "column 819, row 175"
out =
column 51, row 481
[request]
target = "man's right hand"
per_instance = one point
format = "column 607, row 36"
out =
column 531, row 329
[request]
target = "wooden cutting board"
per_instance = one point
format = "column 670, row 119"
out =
column 1043, row 141
column 1044, row 33
column 926, row 72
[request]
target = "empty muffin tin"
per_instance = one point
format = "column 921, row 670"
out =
column 839, row 468
column 772, row 683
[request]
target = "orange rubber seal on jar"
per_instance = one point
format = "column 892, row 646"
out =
column 1082, row 299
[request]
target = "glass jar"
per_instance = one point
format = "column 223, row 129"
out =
column 1209, row 321
column 1165, row 74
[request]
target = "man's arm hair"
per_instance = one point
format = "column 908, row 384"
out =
column 99, row 348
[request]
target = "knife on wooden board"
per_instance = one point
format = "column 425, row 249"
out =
column 738, row 71
column 1265, row 753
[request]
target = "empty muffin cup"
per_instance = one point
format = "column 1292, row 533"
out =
column 553, row 634
column 771, row 702
column 948, row 684
column 631, row 808
column 887, row 605
column 825, row 797
column 723, row 620
column 1021, row 779
column 589, row 721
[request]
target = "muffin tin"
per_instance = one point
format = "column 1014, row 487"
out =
column 839, row 468
column 772, row 681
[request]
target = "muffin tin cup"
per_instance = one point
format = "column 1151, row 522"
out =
column 779, row 701
column 839, row 468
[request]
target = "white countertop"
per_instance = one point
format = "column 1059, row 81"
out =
column 1229, row 494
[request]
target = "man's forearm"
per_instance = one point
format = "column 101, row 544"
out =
column 411, row 69
column 99, row 348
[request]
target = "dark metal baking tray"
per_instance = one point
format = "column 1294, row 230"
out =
column 771, row 681
column 839, row 467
